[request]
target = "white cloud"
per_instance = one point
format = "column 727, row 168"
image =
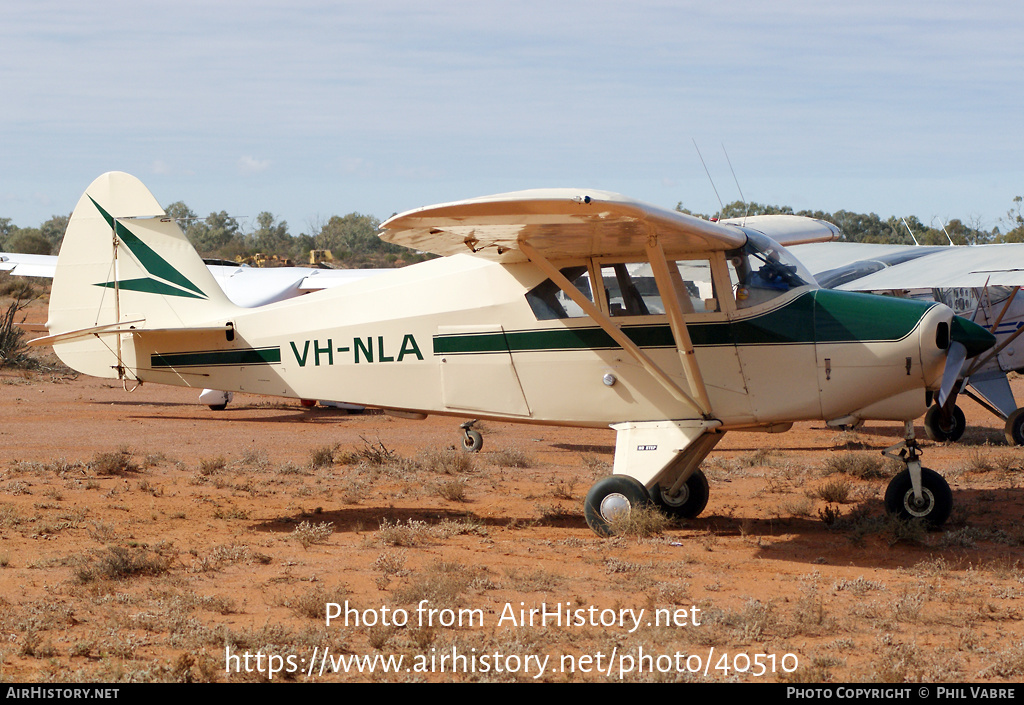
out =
column 251, row 165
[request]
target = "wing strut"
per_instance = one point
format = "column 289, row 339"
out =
column 610, row 328
column 671, row 287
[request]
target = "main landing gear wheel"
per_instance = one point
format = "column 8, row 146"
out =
column 934, row 507
column 689, row 503
column 611, row 499
column 941, row 429
column 1015, row 428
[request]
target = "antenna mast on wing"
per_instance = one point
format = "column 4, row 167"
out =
column 721, row 206
column 910, row 231
column 945, row 232
column 746, row 208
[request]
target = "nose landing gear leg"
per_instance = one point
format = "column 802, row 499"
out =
column 917, row 492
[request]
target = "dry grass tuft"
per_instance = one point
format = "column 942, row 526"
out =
column 865, row 466
column 836, row 491
column 308, row 533
column 119, row 462
column 119, row 563
column 640, row 522
column 447, row 462
column 324, row 456
column 511, row 458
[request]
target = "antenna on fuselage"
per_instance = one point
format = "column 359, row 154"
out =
column 721, row 206
column 746, row 208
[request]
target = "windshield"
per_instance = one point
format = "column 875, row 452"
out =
column 764, row 269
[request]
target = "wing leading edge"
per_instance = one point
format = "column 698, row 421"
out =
column 559, row 223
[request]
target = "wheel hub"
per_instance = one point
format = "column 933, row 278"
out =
column 919, row 507
column 678, row 499
column 615, row 506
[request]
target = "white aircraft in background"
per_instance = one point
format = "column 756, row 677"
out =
column 482, row 331
column 980, row 282
column 246, row 286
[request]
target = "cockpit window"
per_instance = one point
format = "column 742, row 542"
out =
column 763, row 269
column 631, row 289
column 549, row 302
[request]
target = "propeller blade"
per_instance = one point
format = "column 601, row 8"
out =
column 954, row 363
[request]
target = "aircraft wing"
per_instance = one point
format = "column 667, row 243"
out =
column 558, row 223
column 865, row 267
column 788, row 230
column 256, row 286
column 245, row 286
column 21, row 265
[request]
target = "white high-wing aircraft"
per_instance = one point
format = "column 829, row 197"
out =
column 531, row 315
column 979, row 282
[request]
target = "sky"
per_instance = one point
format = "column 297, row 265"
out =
column 310, row 108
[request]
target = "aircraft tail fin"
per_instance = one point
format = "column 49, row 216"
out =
column 124, row 265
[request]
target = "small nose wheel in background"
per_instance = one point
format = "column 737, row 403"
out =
column 1015, row 428
column 942, row 427
column 472, row 441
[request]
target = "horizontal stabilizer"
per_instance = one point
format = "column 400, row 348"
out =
column 123, row 327
column 108, row 329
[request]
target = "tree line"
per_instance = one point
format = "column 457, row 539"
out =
column 351, row 239
column 353, row 242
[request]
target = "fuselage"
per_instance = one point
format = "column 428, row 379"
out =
column 461, row 336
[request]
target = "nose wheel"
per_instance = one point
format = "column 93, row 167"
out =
column 933, row 505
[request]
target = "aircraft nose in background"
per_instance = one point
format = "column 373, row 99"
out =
column 972, row 336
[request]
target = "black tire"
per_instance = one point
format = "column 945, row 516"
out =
column 218, row 407
column 609, row 497
column 1014, row 430
column 472, row 442
column 938, row 498
column 944, row 430
column 689, row 503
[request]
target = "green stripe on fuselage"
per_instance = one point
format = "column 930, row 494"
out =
column 217, row 358
column 821, row 316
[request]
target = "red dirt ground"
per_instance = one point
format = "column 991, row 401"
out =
column 223, row 541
